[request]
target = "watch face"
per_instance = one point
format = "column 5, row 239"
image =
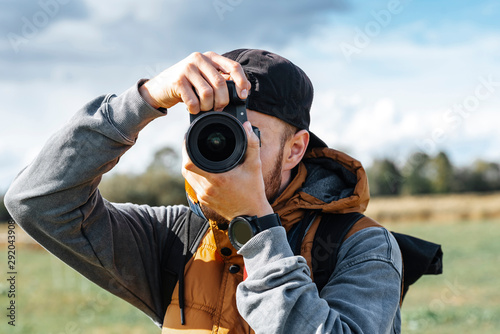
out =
column 240, row 232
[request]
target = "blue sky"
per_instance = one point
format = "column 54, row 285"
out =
column 391, row 77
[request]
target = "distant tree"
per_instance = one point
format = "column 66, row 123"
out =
column 481, row 176
column 492, row 175
column 463, row 180
column 489, row 174
column 384, row 178
column 441, row 173
column 166, row 159
column 160, row 184
column 417, row 175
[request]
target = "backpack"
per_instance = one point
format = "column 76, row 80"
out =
column 420, row 257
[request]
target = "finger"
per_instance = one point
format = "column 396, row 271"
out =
column 221, row 95
column 215, row 95
column 235, row 70
column 188, row 96
column 203, row 89
column 217, row 81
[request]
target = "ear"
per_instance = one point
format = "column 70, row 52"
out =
column 295, row 149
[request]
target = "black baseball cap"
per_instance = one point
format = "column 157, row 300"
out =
column 279, row 88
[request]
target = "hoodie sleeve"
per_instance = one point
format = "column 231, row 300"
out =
column 56, row 201
column 362, row 295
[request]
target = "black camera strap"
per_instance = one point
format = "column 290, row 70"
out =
column 182, row 243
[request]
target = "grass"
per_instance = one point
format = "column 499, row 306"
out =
column 53, row 299
column 466, row 297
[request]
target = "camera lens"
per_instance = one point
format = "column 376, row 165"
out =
column 216, row 142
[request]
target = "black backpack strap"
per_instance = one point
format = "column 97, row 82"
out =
column 420, row 257
column 296, row 234
column 331, row 232
column 176, row 255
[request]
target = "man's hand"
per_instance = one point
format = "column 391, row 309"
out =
column 240, row 191
column 205, row 74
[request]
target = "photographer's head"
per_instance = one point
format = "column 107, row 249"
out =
column 280, row 89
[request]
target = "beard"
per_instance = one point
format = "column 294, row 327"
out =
column 272, row 181
column 272, row 184
column 212, row 215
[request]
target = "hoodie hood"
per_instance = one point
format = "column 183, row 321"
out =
column 328, row 181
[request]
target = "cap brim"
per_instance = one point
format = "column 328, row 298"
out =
column 314, row 141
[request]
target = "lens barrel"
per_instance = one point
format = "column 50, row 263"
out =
column 216, row 142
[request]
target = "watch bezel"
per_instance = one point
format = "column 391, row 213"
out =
column 240, row 220
column 255, row 224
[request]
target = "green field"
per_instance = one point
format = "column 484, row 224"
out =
column 466, row 297
column 53, row 299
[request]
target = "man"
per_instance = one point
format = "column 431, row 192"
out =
column 292, row 177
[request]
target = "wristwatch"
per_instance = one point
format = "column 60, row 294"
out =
column 243, row 228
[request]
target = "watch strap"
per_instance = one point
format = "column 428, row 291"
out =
column 266, row 222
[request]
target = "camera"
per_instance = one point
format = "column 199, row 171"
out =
column 216, row 141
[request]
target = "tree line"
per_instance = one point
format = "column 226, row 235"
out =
column 162, row 184
column 424, row 174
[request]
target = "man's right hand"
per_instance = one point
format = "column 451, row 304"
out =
column 205, row 74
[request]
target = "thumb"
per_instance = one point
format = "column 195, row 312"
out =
column 253, row 148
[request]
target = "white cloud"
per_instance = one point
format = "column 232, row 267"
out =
column 405, row 87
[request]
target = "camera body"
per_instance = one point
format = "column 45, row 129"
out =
column 216, row 141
